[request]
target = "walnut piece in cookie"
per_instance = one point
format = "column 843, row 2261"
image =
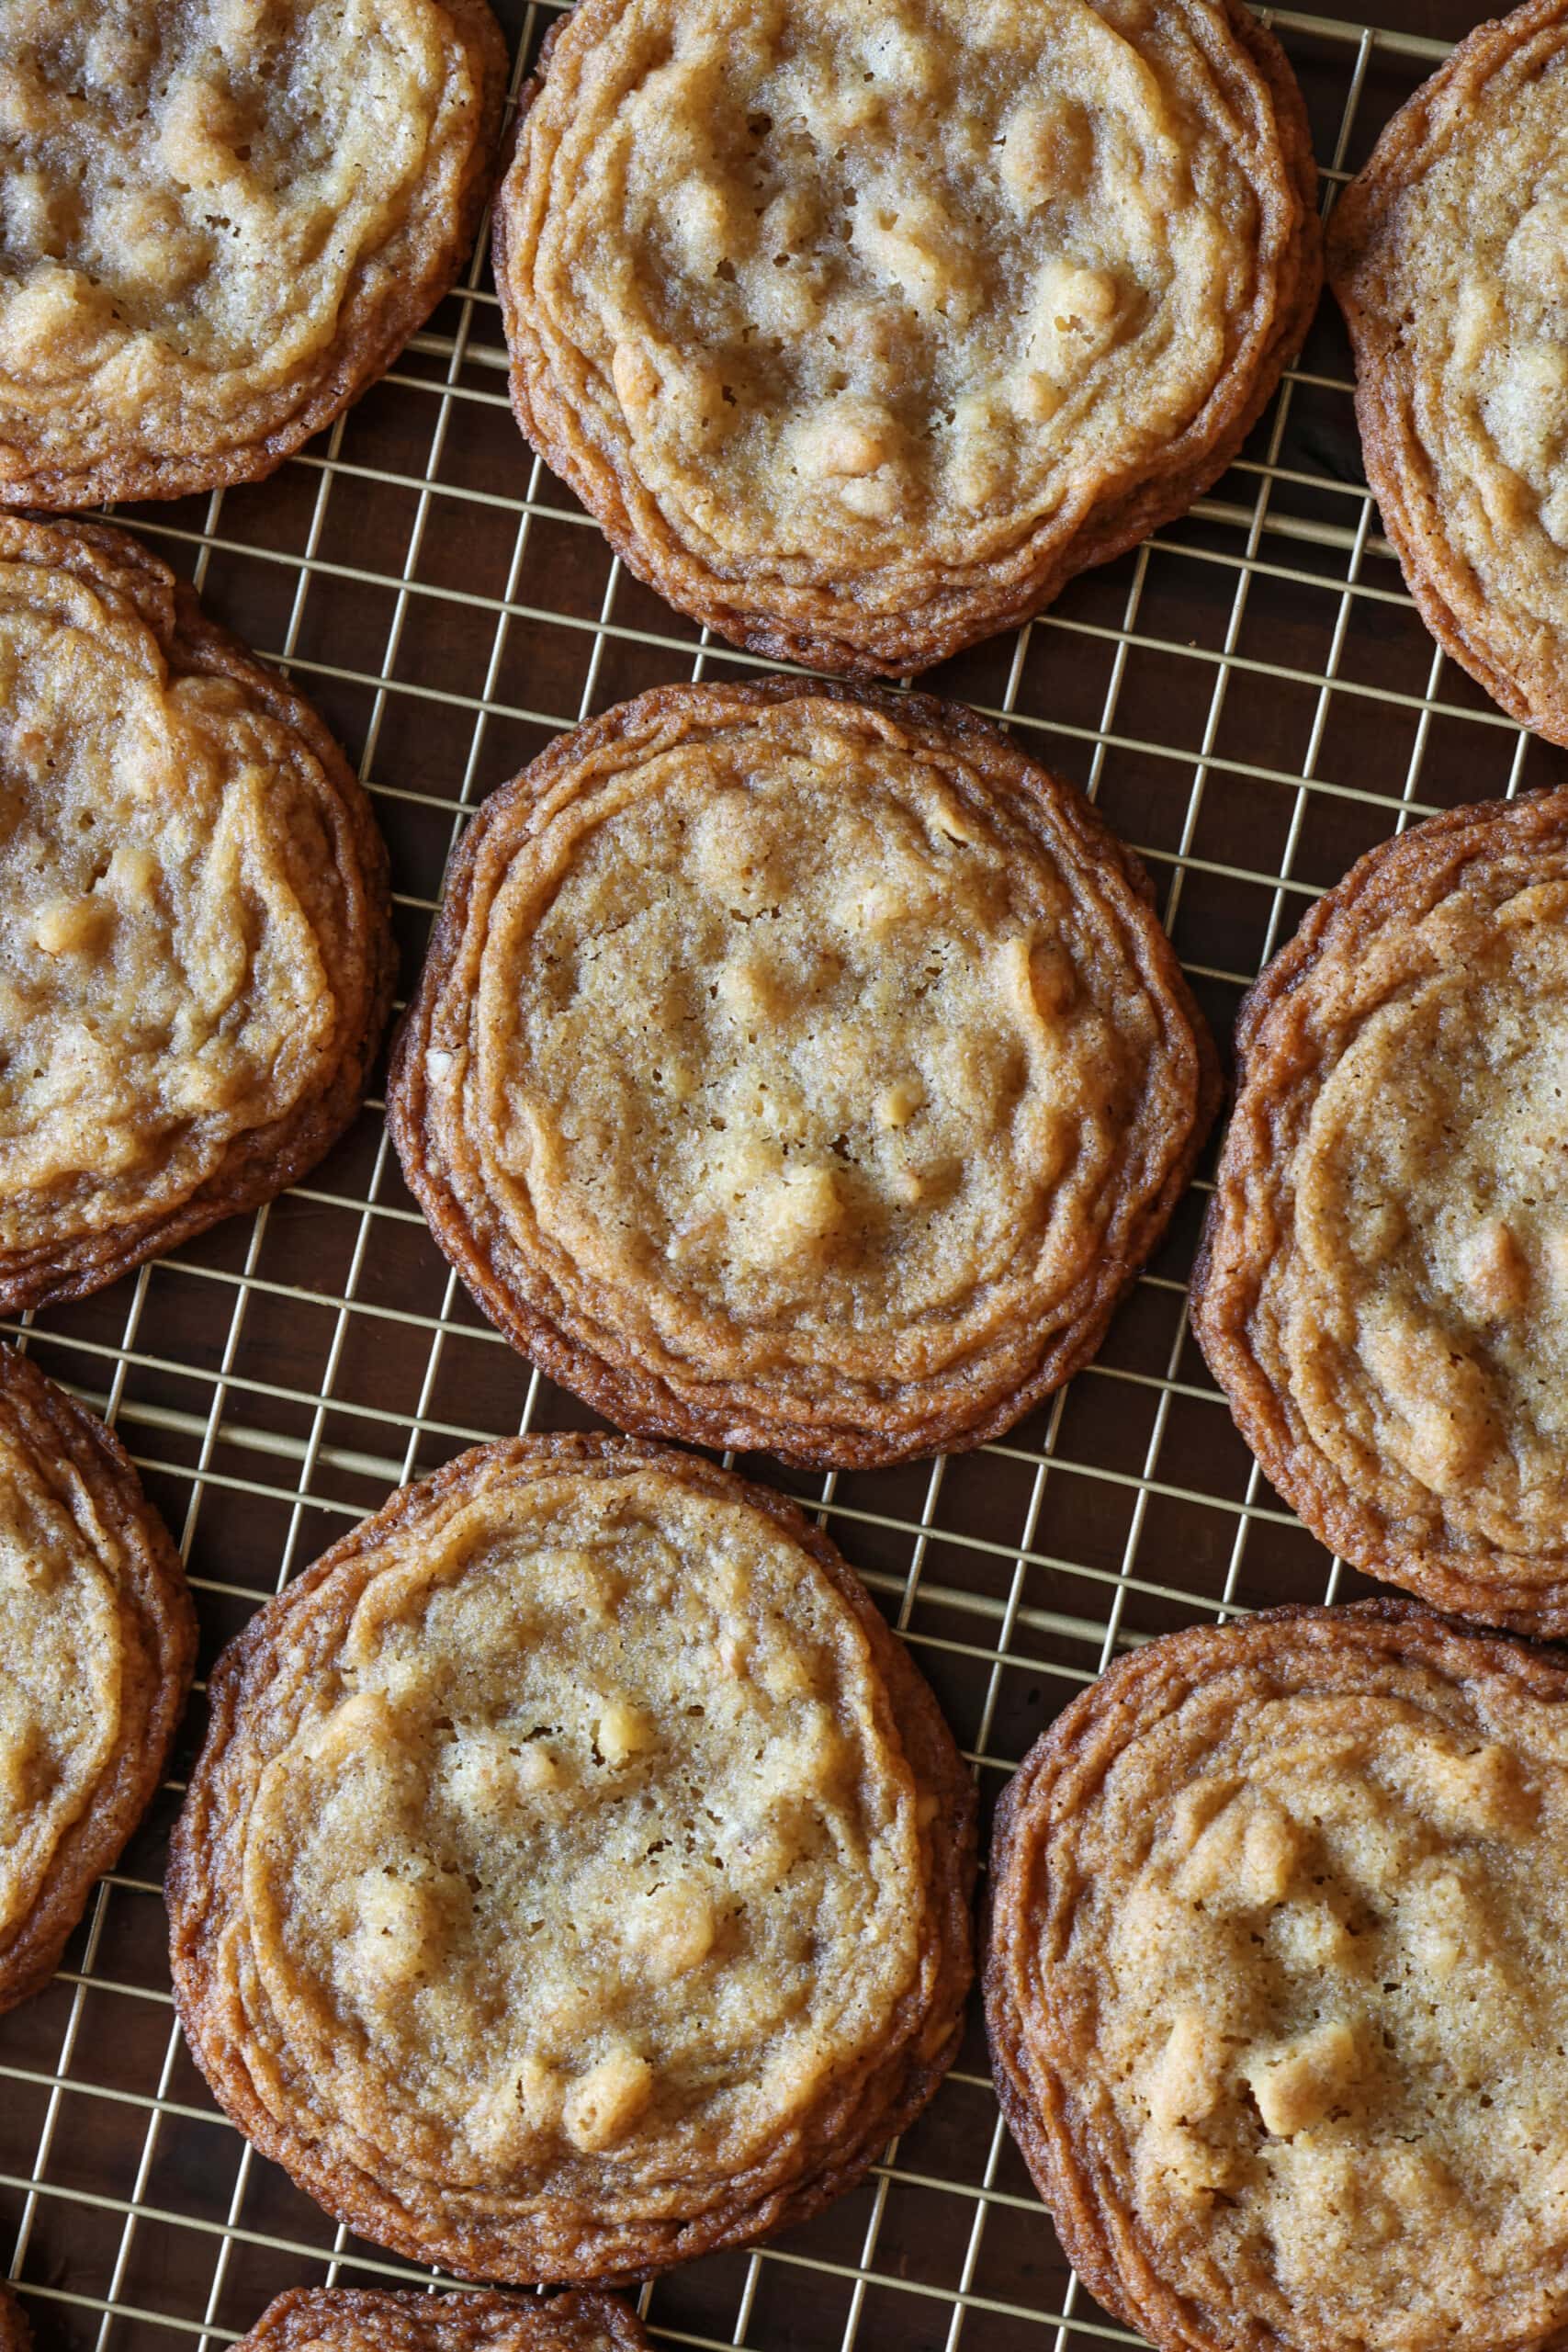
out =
column 576, row 1875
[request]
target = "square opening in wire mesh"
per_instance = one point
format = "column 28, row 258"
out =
column 1253, row 701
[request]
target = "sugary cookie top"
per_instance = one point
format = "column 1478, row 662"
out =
column 591, row 1836
column 182, row 950
column 876, row 292
column 1389, row 1251
column 1453, row 263
column 788, row 1043
column 64, row 1637
column 206, row 208
column 1283, row 1919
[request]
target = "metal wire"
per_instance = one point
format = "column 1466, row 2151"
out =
column 1252, row 700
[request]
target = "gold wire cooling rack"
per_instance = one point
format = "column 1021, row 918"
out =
column 1252, row 700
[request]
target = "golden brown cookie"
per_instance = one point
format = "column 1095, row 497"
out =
column 860, row 328
column 223, row 219
column 1275, row 1990
column 1383, row 1291
column 800, row 1070
column 345, row 2319
column 98, row 1638
column 1449, row 257
column 15, row 2333
column 576, row 1875
column 197, row 958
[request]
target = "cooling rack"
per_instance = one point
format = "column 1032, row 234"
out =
column 1253, row 701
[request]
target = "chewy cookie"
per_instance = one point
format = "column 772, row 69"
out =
column 343, row 2319
column 1274, row 1984
column 222, row 220
column 576, row 1875
column 798, row 1070
column 1383, row 1291
column 99, row 1638
column 196, row 958
column 1449, row 257
column 860, row 327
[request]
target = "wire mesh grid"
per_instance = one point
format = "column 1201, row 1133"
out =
column 1252, row 700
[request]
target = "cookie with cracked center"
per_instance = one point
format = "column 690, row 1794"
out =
column 1382, row 1290
column 1274, row 1988
column 799, row 1070
column 345, row 2319
column 1449, row 258
column 222, row 220
column 860, row 329
column 195, row 956
column 98, row 1636
column 576, row 1875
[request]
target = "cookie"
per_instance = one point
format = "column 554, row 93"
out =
column 798, row 1070
column 346, row 2319
column 1274, row 1990
column 99, row 1638
column 1449, row 257
column 15, row 2333
column 223, row 219
column 196, row 958
column 860, row 328
column 576, row 1875
column 1383, row 1289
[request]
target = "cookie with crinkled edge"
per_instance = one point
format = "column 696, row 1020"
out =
column 224, row 222
column 15, row 2333
column 199, row 960
column 96, row 1622
column 799, row 1069
column 347, row 2319
column 1380, row 1290
column 859, row 333
column 1271, row 1983
column 1445, row 256
column 576, row 1875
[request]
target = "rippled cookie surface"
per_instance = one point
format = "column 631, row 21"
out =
column 193, row 955
column 860, row 328
column 796, row 1072
column 575, row 1875
column 97, row 1636
column 1451, row 259
column 1385, row 1292
column 364, row 2319
column 221, row 220
column 1273, row 1988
